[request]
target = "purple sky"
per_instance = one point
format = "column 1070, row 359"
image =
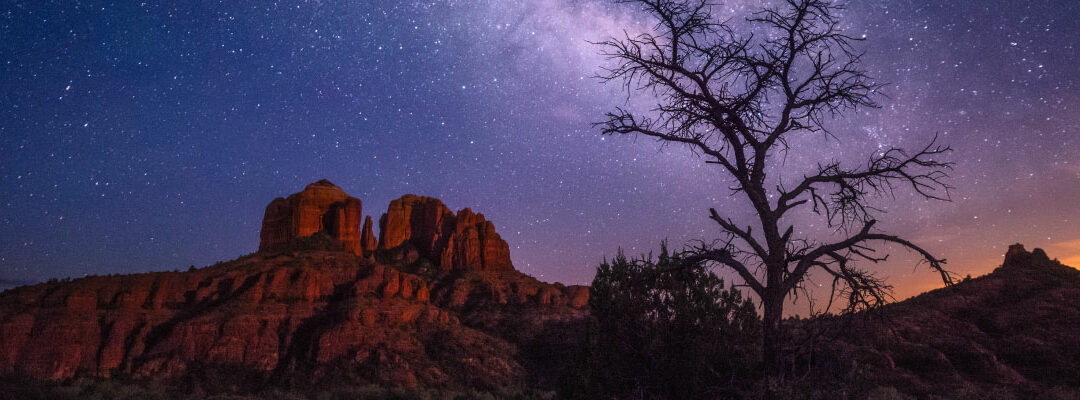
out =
column 138, row 137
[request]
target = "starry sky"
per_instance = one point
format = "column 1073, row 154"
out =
column 143, row 136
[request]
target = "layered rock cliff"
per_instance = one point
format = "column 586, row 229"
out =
column 435, row 303
column 464, row 241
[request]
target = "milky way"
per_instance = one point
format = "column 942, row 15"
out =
column 149, row 136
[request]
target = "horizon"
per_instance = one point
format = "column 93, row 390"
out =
column 141, row 138
column 795, row 306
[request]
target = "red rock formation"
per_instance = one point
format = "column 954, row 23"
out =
column 465, row 241
column 578, row 296
column 342, row 222
column 474, row 246
column 248, row 313
column 320, row 207
column 367, row 239
column 318, row 312
column 422, row 221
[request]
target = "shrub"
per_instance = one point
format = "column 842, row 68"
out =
column 664, row 328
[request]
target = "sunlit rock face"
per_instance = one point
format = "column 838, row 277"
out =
column 321, row 207
column 422, row 221
column 462, row 241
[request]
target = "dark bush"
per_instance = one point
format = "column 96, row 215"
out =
column 667, row 329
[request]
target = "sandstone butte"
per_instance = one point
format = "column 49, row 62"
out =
column 435, row 302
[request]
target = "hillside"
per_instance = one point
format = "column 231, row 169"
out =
column 434, row 302
column 1014, row 333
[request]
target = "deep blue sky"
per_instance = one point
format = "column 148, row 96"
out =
column 138, row 136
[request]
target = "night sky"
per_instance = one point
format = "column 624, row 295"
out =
column 150, row 136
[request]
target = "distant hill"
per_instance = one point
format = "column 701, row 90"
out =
column 1014, row 333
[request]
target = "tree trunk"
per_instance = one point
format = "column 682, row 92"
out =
column 773, row 336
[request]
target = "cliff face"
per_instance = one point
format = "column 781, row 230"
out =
column 320, row 207
column 463, row 241
column 435, row 303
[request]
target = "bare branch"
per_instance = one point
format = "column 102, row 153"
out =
column 725, row 256
column 923, row 172
column 857, row 248
column 745, row 235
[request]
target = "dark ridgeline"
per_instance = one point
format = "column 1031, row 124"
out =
column 665, row 329
column 1011, row 334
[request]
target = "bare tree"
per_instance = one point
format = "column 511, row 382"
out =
column 735, row 99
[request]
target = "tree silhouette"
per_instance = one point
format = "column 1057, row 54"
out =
column 735, row 99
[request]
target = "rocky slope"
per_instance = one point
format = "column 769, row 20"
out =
column 435, row 302
column 1014, row 333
